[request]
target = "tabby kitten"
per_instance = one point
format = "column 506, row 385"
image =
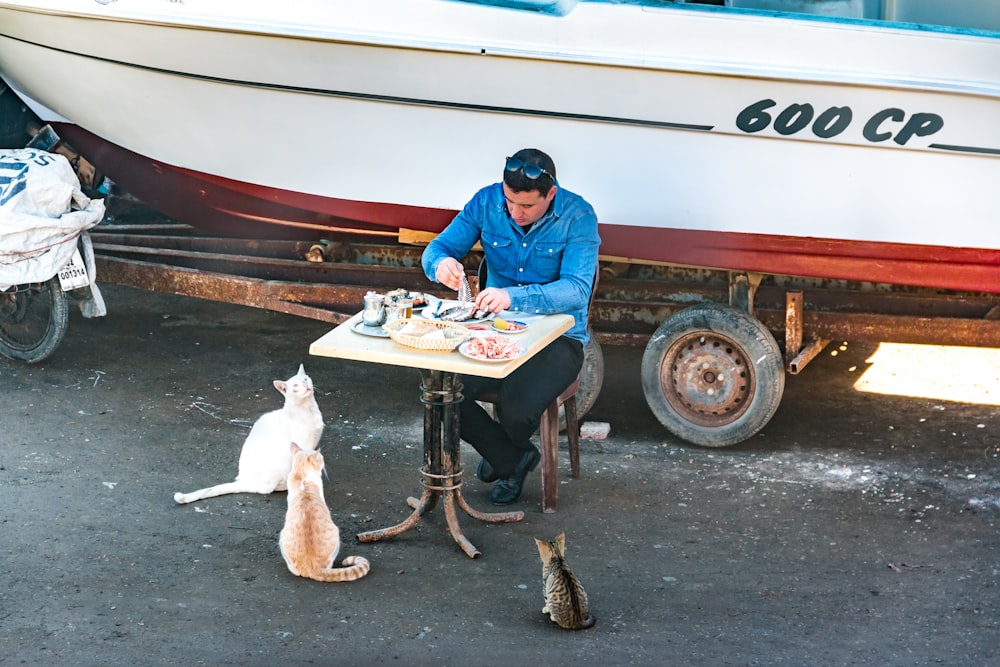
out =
column 310, row 539
column 565, row 599
column 264, row 459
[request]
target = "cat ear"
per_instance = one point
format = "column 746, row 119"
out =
column 561, row 539
column 295, row 449
column 302, row 369
column 280, row 385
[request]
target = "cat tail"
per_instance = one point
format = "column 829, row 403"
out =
column 352, row 568
column 568, row 624
column 223, row 489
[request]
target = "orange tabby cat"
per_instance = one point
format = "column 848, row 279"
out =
column 310, row 539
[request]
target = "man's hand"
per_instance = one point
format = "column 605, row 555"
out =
column 493, row 299
column 449, row 273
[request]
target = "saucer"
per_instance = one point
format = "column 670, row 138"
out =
column 361, row 328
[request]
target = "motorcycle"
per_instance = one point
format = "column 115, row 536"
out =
column 46, row 257
column 34, row 316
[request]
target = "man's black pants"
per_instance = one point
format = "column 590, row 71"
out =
column 521, row 399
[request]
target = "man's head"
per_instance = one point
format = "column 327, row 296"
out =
column 529, row 185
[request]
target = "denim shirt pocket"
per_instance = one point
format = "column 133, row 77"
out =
column 499, row 253
column 547, row 259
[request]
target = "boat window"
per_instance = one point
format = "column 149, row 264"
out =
column 961, row 15
column 563, row 7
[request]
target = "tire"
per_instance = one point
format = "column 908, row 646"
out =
column 591, row 381
column 713, row 375
column 33, row 321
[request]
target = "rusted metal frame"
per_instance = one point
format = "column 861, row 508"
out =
column 793, row 325
column 798, row 355
column 388, row 277
column 622, row 339
column 924, row 303
column 166, row 228
column 805, row 355
column 380, row 254
column 626, row 312
column 270, row 295
column 895, row 328
column 267, row 249
column 742, row 290
column 823, row 327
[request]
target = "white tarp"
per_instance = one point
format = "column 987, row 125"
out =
column 43, row 212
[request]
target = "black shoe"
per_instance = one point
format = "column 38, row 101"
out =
column 485, row 472
column 508, row 490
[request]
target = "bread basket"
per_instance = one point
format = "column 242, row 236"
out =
column 424, row 334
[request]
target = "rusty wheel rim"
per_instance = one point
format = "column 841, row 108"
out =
column 707, row 379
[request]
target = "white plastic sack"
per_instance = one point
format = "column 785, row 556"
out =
column 42, row 213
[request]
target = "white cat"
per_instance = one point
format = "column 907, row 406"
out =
column 266, row 458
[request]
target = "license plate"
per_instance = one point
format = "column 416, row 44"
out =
column 74, row 274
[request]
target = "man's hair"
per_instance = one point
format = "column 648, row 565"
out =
column 518, row 182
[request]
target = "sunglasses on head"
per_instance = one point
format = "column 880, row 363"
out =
column 532, row 171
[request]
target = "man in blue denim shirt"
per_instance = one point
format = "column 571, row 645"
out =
column 540, row 243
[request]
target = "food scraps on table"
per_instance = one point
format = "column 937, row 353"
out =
column 492, row 347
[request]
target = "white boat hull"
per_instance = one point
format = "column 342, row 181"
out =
column 725, row 139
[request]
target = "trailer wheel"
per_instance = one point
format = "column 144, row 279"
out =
column 713, row 375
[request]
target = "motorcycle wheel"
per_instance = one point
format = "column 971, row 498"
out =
column 33, row 321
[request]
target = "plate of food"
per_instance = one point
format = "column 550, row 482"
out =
column 491, row 348
column 443, row 309
column 508, row 326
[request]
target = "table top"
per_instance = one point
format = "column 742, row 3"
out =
column 343, row 343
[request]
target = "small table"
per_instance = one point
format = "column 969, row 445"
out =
column 440, row 392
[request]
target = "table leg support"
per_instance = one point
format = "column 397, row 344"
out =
column 442, row 472
column 392, row 531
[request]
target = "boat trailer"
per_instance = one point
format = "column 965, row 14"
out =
column 326, row 281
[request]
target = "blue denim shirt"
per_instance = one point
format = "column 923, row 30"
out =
column 549, row 269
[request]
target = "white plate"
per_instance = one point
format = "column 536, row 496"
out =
column 365, row 330
column 523, row 325
column 463, row 350
column 449, row 303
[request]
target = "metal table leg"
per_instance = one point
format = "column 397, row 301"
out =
column 441, row 392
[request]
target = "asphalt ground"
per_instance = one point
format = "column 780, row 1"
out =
column 858, row 528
